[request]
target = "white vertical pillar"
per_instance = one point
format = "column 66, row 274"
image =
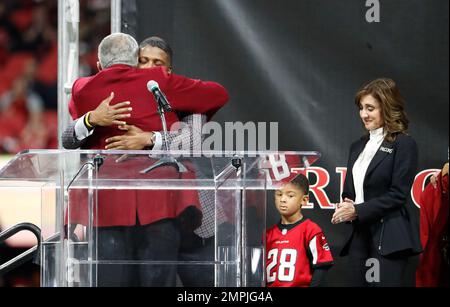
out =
column 68, row 53
column 116, row 13
column 68, row 58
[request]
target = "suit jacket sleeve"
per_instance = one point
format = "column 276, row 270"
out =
column 348, row 183
column 424, row 222
column 72, row 105
column 187, row 133
column 195, row 96
column 69, row 139
column 174, row 139
column 402, row 177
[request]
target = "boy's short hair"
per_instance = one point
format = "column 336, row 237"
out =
column 302, row 183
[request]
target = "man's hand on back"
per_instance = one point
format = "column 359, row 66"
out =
column 133, row 139
column 106, row 115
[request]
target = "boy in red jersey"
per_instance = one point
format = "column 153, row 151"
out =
column 298, row 254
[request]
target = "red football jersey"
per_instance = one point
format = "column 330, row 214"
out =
column 292, row 255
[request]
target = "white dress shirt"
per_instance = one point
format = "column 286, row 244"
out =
column 362, row 163
column 81, row 132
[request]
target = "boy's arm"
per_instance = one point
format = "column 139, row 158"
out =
column 319, row 276
column 319, row 253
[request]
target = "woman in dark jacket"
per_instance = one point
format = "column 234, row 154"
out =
column 380, row 172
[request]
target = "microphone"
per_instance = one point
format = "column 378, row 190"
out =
column 160, row 98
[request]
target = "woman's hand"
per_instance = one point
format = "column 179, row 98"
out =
column 345, row 212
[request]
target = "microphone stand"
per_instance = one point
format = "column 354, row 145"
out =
column 165, row 159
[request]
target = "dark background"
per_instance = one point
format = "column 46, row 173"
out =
column 300, row 63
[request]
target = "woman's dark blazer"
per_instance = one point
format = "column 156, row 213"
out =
column 387, row 187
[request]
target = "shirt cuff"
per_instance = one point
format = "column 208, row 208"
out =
column 158, row 141
column 81, row 132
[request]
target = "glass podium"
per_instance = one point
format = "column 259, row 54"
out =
column 109, row 219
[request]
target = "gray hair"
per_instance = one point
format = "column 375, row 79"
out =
column 118, row 48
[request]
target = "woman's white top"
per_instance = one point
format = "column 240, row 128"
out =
column 362, row 163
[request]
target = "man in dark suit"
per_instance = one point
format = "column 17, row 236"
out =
column 118, row 56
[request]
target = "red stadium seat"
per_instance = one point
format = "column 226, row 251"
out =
column 51, row 123
column 47, row 71
column 22, row 19
column 14, row 67
column 5, row 83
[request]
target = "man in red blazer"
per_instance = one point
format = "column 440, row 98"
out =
column 144, row 219
column 120, row 75
column 433, row 269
